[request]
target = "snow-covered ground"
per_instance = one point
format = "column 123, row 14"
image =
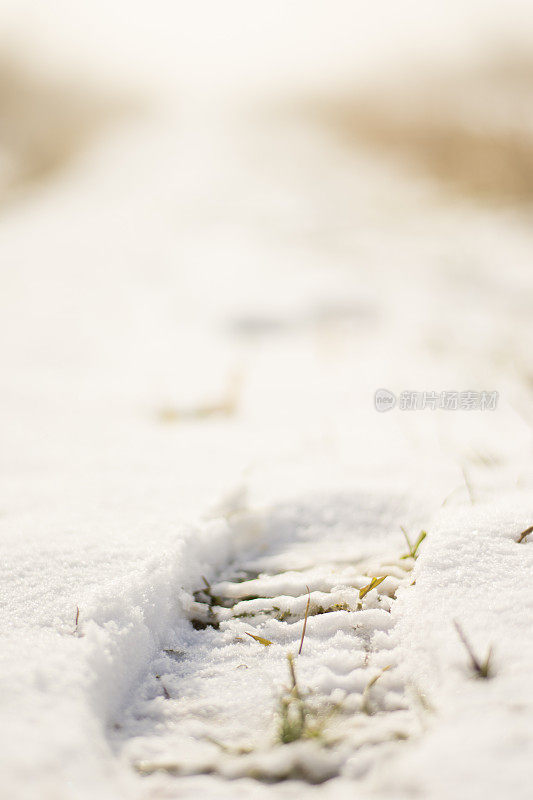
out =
column 196, row 311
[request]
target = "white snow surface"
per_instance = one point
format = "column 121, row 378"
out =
column 194, row 317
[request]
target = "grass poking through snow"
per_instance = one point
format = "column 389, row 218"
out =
column 264, row 642
column 305, row 619
column 372, row 585
column 413, row 548
column 482, row 669
column 298, row 720
column 522, row 537
column 366, row 706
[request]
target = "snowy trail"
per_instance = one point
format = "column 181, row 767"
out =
column 100, row 509
column 211, row 701
column 207, row 299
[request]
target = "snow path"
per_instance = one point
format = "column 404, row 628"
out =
column 214, row 692
column 203, row 714
column 207, row 300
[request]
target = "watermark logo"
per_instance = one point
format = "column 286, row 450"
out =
column 384, row 400
column 449, row 400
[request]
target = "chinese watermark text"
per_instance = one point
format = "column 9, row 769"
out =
column 450, row 400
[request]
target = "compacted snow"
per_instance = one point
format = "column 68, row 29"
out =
column 196, row 313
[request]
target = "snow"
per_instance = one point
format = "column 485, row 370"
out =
column 481, row 577
column 195, row 314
